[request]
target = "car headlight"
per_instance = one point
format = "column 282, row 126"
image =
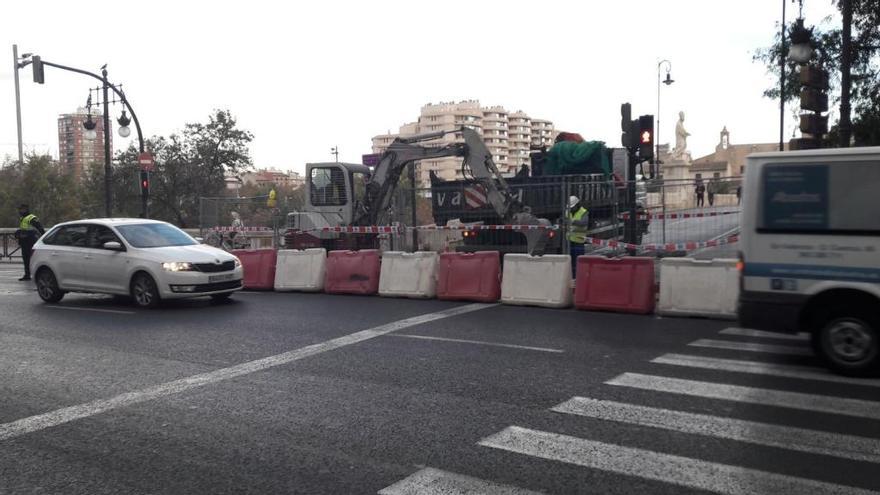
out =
column 178, row 266
column 237, row 262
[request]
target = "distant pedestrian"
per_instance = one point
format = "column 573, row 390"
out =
column 739, row 192
column 713, row 188
column 701, row 194
column 29, row 230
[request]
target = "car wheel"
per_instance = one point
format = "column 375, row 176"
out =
column 47, row 286
column 850, row 343
column 218, row 298
column 144, row 291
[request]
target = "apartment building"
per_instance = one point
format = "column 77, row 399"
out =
column 507, row 136
column 75, row 151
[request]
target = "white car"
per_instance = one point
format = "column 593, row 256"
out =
column 145, row 259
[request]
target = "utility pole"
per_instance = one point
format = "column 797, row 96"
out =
column 17, row 104
column 845, row 128
column 108, row 169
column 782, row 81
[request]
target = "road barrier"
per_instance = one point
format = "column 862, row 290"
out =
column 470, row 276
column 615, row 284
column 352, row 272
column 536, row 280
column 301, row 270
column 411, row 275
column 258, row 266
column 691, row 287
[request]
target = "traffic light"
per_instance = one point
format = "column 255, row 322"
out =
column 145, row 183
column 39, row 76
column 626, row 125
column 646, row 137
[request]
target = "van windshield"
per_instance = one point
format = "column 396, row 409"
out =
column 152, row 235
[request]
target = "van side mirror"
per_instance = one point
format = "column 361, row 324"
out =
column 113, row 246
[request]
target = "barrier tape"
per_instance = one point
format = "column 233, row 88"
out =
column 391, row 229
column 241, row 229
column 673, row 216
column 669, row 247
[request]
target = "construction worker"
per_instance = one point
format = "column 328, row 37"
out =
column 29, row 230
column 578, row 221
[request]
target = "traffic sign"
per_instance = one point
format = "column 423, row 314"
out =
column 145, row 160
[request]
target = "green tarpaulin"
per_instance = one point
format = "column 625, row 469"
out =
column 567, row 157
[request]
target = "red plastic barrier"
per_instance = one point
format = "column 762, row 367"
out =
column 352, row 272
column 615, row 284
column 470, row 276
column 259, row 268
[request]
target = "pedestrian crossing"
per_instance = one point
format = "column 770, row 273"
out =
column 751, row 357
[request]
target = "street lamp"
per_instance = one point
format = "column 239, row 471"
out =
column 335, row 152
column 89, row 125
column 668, row 81
column 123, row 121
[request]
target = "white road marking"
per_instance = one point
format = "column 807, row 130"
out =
column 667, row 468
column 752, row 347
column 96, row 310
column 430, row 481
column 478, row 342
column 766, row 397
column 68, row 414
column 758, row 368
column 816, row 442
column 748, row 332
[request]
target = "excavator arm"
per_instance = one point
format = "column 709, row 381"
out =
column 477, row 162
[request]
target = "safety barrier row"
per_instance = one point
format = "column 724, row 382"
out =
column 687, row 287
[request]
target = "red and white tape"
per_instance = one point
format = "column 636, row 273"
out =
column 673, row 216
column 391, row 229
column 670, row 247
column 241, row 229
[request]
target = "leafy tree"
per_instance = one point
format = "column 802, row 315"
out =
column 865, row 70
column 43, row 184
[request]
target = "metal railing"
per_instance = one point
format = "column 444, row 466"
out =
column 9, row 244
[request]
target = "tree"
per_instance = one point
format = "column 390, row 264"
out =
column 189, row 166
column 43, row 184
column 865, row 94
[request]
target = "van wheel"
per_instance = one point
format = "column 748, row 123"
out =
column 144, row 291
column 47, row 286
column 849, row 341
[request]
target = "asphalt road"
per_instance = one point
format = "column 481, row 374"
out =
column 311, row 393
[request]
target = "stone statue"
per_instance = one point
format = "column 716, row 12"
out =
column 680, row 151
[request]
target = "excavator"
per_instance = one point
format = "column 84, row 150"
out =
column 353, row 195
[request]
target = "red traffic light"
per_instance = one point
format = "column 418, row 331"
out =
column 646, row 137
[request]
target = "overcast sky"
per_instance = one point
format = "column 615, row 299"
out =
column 304, row 77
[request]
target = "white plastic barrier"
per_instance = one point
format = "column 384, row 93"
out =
column 409, row 274
column 537, row 280
column 690, row 287
column 298, row 270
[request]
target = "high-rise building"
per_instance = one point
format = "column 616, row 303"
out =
column 507, row 136
column 75, row 151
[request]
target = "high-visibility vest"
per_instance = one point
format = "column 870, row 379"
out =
column 25, row 222
column 576, row 233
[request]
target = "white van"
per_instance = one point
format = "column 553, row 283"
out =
column 810, row 251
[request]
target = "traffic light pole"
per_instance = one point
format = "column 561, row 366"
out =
column 17, row 104
column 106, row 86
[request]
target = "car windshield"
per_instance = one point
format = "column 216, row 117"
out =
column 151, row 235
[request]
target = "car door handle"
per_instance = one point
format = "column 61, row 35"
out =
column 87, row 257
column 53, row 254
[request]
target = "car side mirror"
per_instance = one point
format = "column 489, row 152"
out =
column 113, row 246
column 200, row 240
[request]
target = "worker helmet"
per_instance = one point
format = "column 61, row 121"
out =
column 572, row 201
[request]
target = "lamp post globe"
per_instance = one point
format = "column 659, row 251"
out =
column 91, row 134
column 125, row 131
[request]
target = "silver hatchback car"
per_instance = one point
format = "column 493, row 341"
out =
column 145, row 259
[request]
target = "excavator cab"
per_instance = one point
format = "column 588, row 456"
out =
column 334, row 193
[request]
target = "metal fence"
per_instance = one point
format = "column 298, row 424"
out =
column 241, row 223
column 9, row 248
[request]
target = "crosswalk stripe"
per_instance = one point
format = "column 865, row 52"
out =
column 752, row 347
column 816, row 442
column 667, row 468
column 758, row 368
column 762, row 396
column 430, row 481
column 748, row 332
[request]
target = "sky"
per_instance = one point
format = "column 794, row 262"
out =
column 304, row 77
